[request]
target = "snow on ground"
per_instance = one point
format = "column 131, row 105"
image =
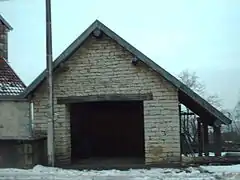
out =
column 232, row 172
column 48, row 173
column 210, row 154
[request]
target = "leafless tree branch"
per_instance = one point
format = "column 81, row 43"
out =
column 192, row 81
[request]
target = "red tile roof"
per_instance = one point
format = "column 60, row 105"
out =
column 10, row 83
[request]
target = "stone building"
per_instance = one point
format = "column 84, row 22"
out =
column 112, row 101
column 17, row 146
column 11, row 86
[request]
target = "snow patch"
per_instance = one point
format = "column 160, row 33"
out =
column 47, row 173
column 221, row 169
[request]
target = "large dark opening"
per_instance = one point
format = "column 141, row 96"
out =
column 107, row 130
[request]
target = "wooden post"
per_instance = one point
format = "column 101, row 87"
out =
column 200, row 144
column 217, row 140
column 206, row 139
column 180, row 124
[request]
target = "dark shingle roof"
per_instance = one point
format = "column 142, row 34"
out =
column 189, row 96
column 10, row 83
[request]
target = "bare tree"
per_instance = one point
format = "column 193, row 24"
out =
column 236, row 111
column 193, row 81
column 215, row 101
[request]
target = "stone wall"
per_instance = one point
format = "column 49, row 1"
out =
column 14, row 120
column 24, row 153
column 101, row 66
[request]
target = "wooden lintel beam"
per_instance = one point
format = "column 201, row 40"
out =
column 217, row 123
column 105, row 97
column 62, row 68
column 61, row 65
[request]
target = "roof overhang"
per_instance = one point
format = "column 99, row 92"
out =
column 9, row 27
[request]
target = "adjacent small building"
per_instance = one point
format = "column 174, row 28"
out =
column 18, row 148
column 113, row 102
column 11, row 86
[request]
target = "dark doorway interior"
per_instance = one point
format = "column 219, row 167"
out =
column 107, row 130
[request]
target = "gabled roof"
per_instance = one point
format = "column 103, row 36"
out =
column 10, row 83
column 5, row 23
column 183, row 89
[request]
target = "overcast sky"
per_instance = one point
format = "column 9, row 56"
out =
column 199, row 35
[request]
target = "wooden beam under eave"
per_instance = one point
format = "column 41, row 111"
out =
column 61, row 68
column 105, row 97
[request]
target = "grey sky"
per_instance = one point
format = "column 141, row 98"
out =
column 200, row 35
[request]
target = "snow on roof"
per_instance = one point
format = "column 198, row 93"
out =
column 10, row 89
column 10, row 83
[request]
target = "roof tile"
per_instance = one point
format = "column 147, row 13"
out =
column 10, row 83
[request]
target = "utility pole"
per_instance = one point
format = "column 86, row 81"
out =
column 49, row 62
